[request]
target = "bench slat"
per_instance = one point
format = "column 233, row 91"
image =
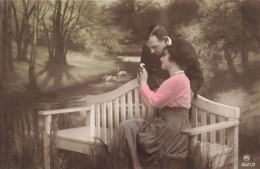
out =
column 194, row 117
column 208, row 128
column 222, row 132
column 110, row 115
column 203, row 123
column 212, row 133
column 116, row 112
column 137, row 112
column 82, row 134
column 63, row 111
column 98, row 119
column 130, row 105
column 104, row 115
column 123, row 113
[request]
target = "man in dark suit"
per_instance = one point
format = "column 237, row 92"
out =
column 156, row 39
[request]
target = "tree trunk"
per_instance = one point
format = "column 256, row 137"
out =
column 244, row 52
column 1, row 90
column 19, row 49
column 6, row 66
column 245, row 38
column 9, row 42
column 23, row 35
column 61, row 50
column 230, row 63
column 7, row 61
column 60, row 56
column 26, row 43
column 32, row 77
column 57, row 31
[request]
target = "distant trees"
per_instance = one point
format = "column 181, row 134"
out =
column 136, row 15
column 98, row 32
column 250, row 11
column 225, row 31
column 59, row 22
column 181, row 12
column 232, row 26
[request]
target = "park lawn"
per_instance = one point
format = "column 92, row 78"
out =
column 81, row 69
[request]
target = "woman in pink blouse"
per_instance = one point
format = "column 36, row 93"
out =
column 139, row 144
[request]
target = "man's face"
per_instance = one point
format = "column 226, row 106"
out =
column 155, row 45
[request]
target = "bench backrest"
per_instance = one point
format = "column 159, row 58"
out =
column 113, row 107
column 206, row 112
column 123, row 103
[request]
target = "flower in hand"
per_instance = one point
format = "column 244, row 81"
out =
column 142, row 76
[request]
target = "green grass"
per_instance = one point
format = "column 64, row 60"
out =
column 50, row 77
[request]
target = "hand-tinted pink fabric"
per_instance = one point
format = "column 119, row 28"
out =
column 173, row 92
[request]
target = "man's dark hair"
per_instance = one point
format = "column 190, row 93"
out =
column 157, row 30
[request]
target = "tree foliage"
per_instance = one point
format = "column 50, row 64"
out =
column 223, row 33
column 21, row 33
column 233, row 23
column 58, row 23
column 136, row 15
column 181, row 12
column 98, row 32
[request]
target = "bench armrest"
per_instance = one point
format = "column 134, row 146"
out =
column 209, row 128
column 48, row 115
column 62, row 111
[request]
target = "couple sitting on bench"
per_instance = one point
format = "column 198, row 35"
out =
column 139, row 143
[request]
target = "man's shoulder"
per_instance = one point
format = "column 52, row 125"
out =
column 146, row 49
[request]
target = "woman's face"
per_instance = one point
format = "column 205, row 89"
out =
column 166, row 63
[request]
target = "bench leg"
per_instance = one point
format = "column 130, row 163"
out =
column 46, row 145
column 235, row 163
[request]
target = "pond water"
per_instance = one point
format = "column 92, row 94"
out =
column 74, row 97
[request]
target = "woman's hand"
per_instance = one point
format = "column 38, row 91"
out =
column 142, row 76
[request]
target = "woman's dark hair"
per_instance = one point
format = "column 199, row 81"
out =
column 157, row 30
column 181, row 52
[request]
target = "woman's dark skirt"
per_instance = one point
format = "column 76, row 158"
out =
column 139, row 144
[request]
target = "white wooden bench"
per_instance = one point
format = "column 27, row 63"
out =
column 214, row 124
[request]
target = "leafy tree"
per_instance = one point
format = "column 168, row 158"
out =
column 217, row 30
column 231, row 24
column 250, row 11
column 22, row 34
column 58, row 24
column 98, row 32
column 136, row 15
column 181, row 12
